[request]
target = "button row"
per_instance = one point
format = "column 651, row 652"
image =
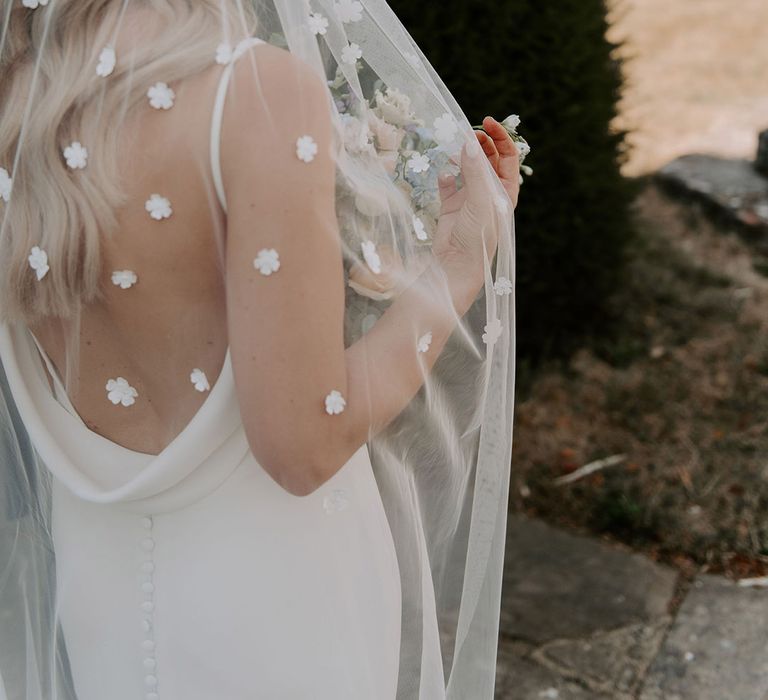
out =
column 148, row 608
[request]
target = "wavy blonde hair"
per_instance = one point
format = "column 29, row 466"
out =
column 51, row 96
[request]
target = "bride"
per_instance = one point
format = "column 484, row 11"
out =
column 256, row 276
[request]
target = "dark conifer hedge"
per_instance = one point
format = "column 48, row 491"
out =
column 549, row 62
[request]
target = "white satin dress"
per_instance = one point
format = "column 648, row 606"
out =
column 191, row 575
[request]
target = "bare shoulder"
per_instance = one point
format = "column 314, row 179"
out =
column 275, row 99
column 272, row 82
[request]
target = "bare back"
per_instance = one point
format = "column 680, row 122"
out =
column 173, row 319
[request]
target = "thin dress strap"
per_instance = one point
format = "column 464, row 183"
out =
column 218, row 113
column 59, row 390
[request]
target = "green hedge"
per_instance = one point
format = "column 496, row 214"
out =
column 549, row 62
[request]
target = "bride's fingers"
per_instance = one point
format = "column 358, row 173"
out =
column 447, row 186
column 474, row 172
column 509, row 160
column 489, row 147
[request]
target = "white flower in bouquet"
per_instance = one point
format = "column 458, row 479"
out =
column 523, row 149
column 388, row 137
column 511, row 123
column 394, row 107
column 357, row 135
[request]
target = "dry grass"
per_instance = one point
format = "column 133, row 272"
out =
column 696, row 72
column 681, row 387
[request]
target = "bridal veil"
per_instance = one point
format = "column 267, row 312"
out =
column 442, row 466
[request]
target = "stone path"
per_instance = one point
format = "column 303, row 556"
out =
column 585, row 619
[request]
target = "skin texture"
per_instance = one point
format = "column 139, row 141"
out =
column 198, row 287
column 299, row 333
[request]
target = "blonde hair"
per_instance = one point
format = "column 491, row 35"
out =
column 50, row 96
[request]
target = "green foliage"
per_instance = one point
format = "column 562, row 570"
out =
column 550, row 63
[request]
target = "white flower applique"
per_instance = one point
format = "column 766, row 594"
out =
column 336, row 502
column 107, row 62
column 419, row 163
column 503, row 286
column 335, row 403
column 424, row 342
column 413, row 59
column 267, row 261
column 351, row 53
column 34, row 4
column 38, row 261
column 371, row 257
column 420, row 229
column 492, row 332
column 159, row 207
column 348, row 10
column 125, row 279
column 306, row 149
column 446, row 129
column 119, row 391
column 318, row 24
column 161, row 96
column 200, row 381
column 76, row 155
column 223, row 53
column 6, row 184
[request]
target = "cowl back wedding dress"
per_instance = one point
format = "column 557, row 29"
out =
column 188, row 191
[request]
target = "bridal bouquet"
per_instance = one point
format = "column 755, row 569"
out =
column 413, row 154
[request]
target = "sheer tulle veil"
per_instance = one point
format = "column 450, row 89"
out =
column 442, row 466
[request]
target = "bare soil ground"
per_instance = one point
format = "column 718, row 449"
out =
column 679, row 386
column 696, row 77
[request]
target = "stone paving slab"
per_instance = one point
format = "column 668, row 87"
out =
column 521, row 678
column 717, row 648
column 733, row 189
column 614, row 662
column 559, row 585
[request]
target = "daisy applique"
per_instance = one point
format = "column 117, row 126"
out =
column 267, row 261
column 335, row 403
column 76, row 155
column 348, row 10
column 351, row 53
column 336, row 502
column 424, row 342
column 6, row 184
column 120, row 392
column 446, row 129
column 125, row 279
column 159, row 207
column 38, row 261
column 419, row 229
column 161, row 96
column 107, row 62
column 371, row 257
column 306, row 149
column 318, row 24
column 199, row 380
column 492, row 332
column 419, row 163
column 223, row 53
column 503, row 286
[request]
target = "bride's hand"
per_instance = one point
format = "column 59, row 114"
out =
column 468, row 217
column 503, row 156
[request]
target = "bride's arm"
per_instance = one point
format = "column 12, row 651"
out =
column 287, row 329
